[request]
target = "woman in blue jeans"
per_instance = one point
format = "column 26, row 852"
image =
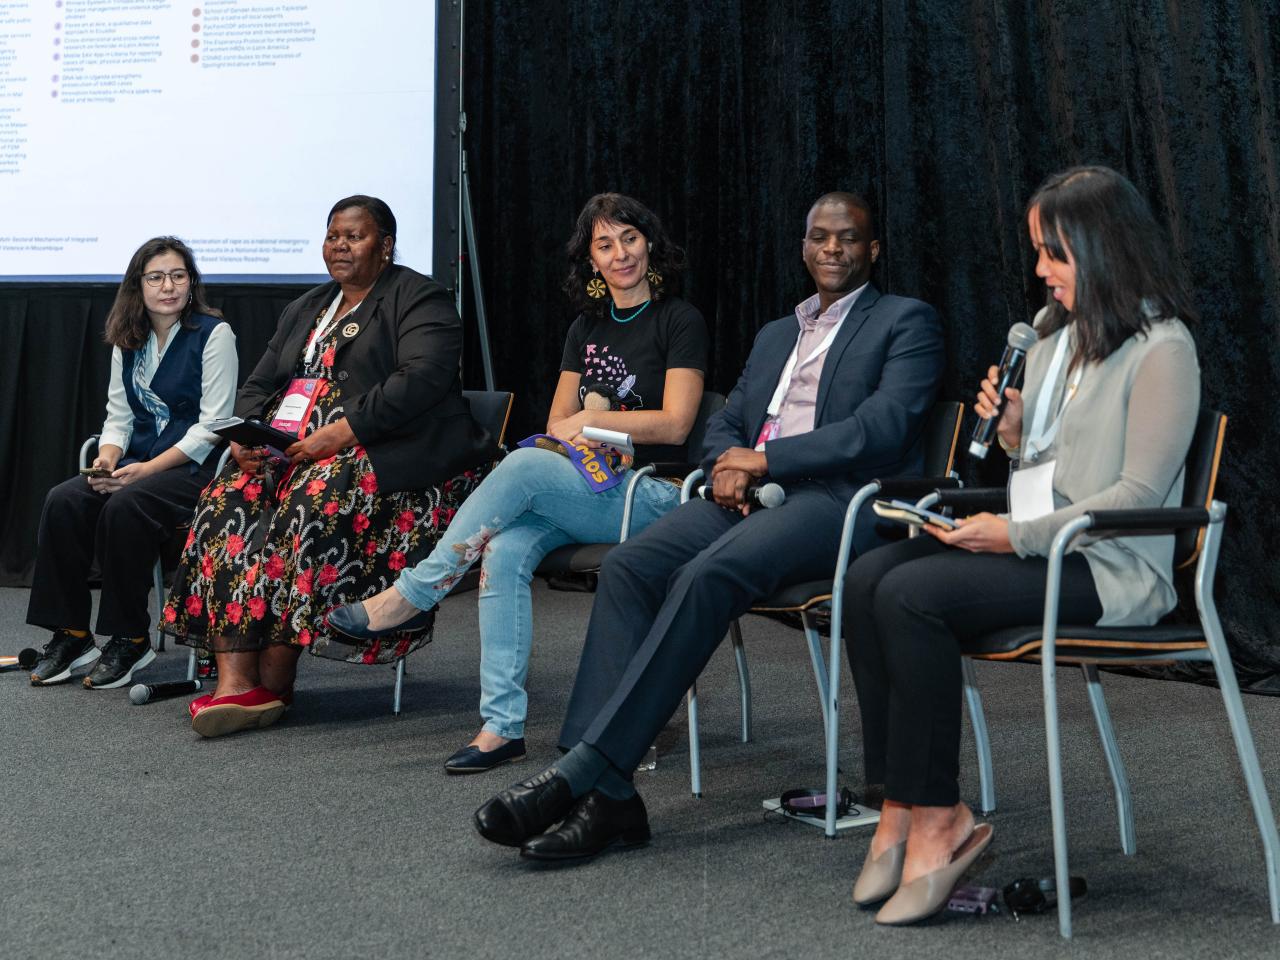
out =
column 634, row 361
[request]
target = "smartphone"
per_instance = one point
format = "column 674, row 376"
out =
column 910, row 514
column 94, row 472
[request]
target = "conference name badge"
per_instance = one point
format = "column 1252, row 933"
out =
column 1031, row 492
column 596, row 468
column 295, row 408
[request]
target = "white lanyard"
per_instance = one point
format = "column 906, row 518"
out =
column 784, row 382
column 327, row 322
column 1042, row 434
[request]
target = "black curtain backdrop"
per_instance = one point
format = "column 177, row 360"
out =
column 729, row 117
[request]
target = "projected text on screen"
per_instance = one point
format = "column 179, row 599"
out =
column 233, row 124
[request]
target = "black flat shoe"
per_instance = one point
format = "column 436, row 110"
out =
column 595, row 823
column 472, row 759
column 525, row 810
column 350, row 619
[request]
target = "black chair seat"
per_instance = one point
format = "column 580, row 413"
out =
column 798, row 596
column 1015, row 642
column 574, row 558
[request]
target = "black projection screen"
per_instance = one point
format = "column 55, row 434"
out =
column 232, row 124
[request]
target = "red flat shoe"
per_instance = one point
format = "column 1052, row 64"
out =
column 198, row 704
column 258, row 707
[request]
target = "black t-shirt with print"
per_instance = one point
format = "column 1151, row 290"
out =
column 628, row 362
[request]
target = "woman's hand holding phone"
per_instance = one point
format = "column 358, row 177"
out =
column 248, row 459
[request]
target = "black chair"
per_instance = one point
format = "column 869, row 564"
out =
column 941, row 434
column 582, row 558
column 492, row 410
column 1197, row 527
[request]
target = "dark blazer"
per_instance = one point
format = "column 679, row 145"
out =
column 399, row 377
column 879, row 379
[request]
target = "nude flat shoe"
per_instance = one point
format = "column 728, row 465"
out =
column 881, row 876
column 927, row 895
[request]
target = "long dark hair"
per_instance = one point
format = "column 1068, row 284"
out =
column 128, row 324
column 665, row 258
column 1127, row 273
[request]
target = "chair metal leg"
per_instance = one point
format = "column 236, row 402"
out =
column 981, row 739
column 1235, row 709
column 833, row 722
column 395, row 705
column 695, row 752
column 157, row 584
column 819, row 665
column 744, row 678
column 1124, row 801
column 191, row 663
column 1052, row 734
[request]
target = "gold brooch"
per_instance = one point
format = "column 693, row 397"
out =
column 350, row 330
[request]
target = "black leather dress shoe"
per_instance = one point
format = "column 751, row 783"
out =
column 472, row 759
column 525, row 810
column 595, row 823
column 351, row 619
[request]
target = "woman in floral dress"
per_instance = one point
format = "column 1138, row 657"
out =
column 365, row 371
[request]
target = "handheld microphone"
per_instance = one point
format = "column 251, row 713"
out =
column 141, row 693
column 760, row 494
column 1022, row 337
column 23, row 661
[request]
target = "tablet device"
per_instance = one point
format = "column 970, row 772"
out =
column 251, row 433
column 908, row 513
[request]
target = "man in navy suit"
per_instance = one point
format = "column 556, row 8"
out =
column 820, row 413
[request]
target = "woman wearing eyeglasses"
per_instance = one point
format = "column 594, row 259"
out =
column 173, row 366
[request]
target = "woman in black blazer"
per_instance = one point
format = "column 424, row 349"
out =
column 364, row 370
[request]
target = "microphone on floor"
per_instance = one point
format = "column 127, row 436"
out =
column 23, row 661
column 759, row 494
column 141, row 693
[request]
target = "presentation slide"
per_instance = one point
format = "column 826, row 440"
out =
column 233, row 124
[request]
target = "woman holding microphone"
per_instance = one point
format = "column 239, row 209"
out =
column 1103, row 422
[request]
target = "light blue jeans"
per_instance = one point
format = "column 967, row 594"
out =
column 534, row 501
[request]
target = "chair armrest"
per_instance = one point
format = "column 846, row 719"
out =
column 1155, row 521
column 671, row 469
column 974, row 499
column 629, row 500
column 915, row 487
column 85, row 447
column 686, row 487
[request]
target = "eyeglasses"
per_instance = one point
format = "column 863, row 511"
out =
column 179, row 278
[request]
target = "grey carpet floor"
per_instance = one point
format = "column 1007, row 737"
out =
column 336, row 834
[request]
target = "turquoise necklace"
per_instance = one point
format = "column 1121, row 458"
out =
column 613, row 312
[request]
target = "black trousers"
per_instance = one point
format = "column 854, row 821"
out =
column 124, row 531
column 664, row 603
column 907, row 607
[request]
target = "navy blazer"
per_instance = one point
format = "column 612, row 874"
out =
column 399, row 370
column 879, row 380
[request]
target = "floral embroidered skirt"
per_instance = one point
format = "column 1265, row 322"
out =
column 258, row 570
